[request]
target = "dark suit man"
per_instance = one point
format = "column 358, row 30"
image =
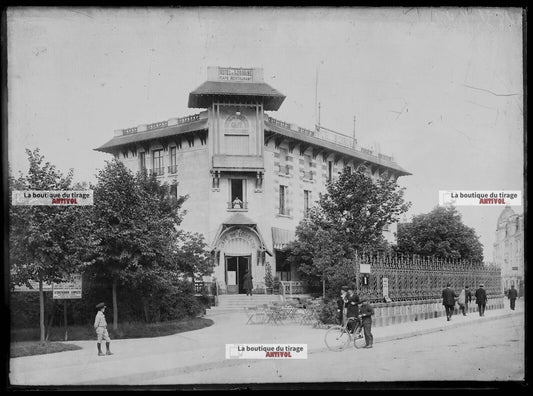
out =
column 341, row 304
column 352, row 306
column 366, row 311
column 481, row 300
column 448, row 300
column 512, row 295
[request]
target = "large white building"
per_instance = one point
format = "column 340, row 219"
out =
column 509, row 248
column 250, row 177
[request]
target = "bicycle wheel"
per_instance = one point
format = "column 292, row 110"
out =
column 337, row 338
column 359, row 340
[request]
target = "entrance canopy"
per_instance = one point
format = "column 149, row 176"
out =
column 236, row 223
column 282, row 237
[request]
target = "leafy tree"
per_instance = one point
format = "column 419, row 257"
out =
column 350, row 217
column 440, row 233
column 140, row 244
column 46, row 243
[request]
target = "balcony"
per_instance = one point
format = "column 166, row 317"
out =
column 173, row 169
column 243, row 163
column 158, row 171
column 238, row 207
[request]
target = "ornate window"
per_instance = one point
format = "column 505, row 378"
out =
column 236, row 125
column 236, row 134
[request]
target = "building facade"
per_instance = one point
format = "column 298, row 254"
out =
column 250, row 178
column 509, row 249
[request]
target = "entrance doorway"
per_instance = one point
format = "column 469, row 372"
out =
column 236, row 267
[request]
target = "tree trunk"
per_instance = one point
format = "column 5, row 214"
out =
column 65, row 318
column 50, row 321
column 115, row 307
column 145, row 308
column 323, row 286
column 41, row 310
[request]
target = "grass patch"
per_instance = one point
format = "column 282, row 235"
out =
column 30, row 348
column 125, row 330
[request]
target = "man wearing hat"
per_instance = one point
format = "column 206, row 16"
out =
column 481, row 300
column 448, row 300
column 100, row 325
column 365, row 313
column 341, row 304
column 352, row 306
column 512, row 295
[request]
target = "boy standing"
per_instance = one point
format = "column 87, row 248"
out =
column 100, row 325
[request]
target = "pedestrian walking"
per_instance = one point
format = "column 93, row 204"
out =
column 247, row 283
column 481, row 300
column 341, row 305
column 100, row 325
column 462, row 301
column 365, row 312
column 352, row 306
column 512, row 295
column 448, row 300
column 468, row 298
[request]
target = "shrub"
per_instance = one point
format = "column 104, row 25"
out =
column 328, row 312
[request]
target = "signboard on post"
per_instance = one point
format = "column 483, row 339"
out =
column 71, row 288
column 34, row 287
column 386, row 289
column 364, row 268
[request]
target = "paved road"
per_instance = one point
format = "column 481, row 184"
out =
column 482, row 351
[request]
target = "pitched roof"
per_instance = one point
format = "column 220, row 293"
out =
column 137, row 137
column 335, row 147
column 238, row 219
column 202, row 96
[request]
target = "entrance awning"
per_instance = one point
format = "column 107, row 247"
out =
column 236, row 221
column 282, row 237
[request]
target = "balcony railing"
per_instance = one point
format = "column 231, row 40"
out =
column 386, row 157
column 158, row 171
column 330, row 136
column 162, row 124
column 237, row 206
column 157, row 125
column 291, row 287
column 129, row 131
column 187, row 119
column 173, row 169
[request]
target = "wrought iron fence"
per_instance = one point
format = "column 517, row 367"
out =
column 419, row 278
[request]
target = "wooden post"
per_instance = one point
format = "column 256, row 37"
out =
column 41, row 310
column 115, row 305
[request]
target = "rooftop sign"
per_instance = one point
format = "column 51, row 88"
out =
column 235, row 74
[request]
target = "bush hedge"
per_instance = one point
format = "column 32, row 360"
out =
column 174, row 303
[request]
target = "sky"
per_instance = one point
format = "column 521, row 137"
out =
column 440, row 89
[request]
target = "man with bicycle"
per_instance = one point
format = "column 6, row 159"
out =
column 352, row 307
column 365, row 313
column 341, row 305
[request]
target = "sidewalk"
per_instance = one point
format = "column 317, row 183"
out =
column 137, row 361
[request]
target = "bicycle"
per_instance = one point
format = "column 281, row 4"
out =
column 338, row 337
